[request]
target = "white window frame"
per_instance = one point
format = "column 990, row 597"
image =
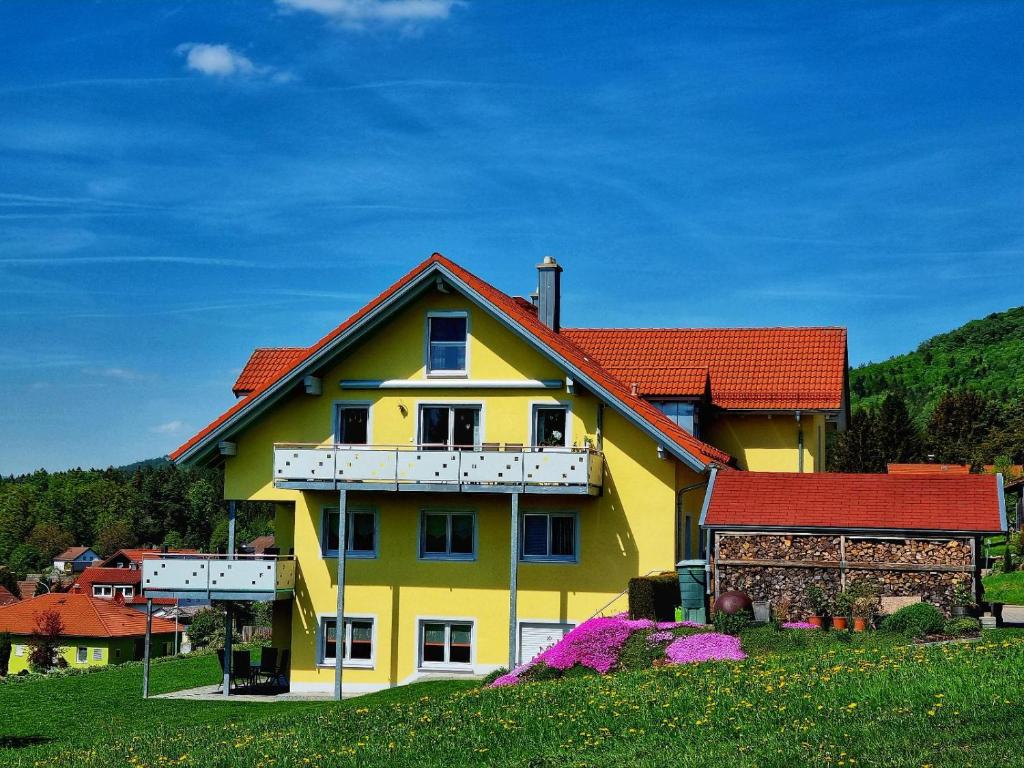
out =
column 81, row 654
column 428, row 666
column 426, row 341
column 457, row 556
column 360, row 554
column 19, row 649
column 349, row 662
column 549, row 558
column 451, row 405
column 102, row 590
column 338, row 405
column 97, row 654
column 127, row 591
column 537, row 405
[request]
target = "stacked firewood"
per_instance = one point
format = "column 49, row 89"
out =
column 772, row 547
column 911, row 551
column 767, row 583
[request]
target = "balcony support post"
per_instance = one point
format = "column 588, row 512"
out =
column 227, row 648
column 339, row 626
column 231, row 530
column 146, row 648
column 513, row 582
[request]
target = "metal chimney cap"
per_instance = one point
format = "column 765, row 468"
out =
column 549, row 263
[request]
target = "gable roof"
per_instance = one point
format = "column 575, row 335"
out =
column 748, row 368
column 516, row 316
column 265, row 364
column 6, row 596
column 928, row 469
column 101, row 575
column 789, row 500
column 72, row 553
column 82, row 616
column 137, row 555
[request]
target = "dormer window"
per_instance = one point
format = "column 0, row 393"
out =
column 682, row 412
column 446, row 343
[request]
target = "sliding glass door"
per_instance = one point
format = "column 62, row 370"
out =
column 450, row 426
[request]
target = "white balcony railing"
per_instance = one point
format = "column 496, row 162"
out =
column 213, row 577
column 388, row 467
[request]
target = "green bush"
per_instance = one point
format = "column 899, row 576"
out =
column 490, row 677
column 5, row 652
column 916, row 620
column 578, row 670
column 637, row 653
column 962, row 627
column 207, row 629
column 732, row 623
column 654, row 597
column 540, row 672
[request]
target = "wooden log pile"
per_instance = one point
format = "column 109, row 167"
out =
column 830, row 561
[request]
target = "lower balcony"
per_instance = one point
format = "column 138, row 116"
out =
column 483, row 469
column 219, row 577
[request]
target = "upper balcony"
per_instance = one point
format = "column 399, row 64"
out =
column 483, row 469
column 218, row 577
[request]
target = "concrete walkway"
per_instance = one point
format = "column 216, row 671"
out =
column 214, row 693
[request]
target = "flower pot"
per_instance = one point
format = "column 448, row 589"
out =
column 959, row 611
column 859, row 624
column 815, row 621
column 838, row 622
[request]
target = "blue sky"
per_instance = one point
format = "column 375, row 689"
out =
column 181, row 182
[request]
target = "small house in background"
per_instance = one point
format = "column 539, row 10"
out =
column 6, row 597
column 95, row 632
column 75, row 559
column 132, row 558
column 915, row 536
column 27, row 587
column 260, row 546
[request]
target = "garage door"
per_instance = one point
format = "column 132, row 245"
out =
column 535, row 637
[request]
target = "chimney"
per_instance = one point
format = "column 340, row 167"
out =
column 549, row 293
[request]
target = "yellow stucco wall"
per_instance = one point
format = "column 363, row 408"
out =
column 631, row 529
column 762, row 443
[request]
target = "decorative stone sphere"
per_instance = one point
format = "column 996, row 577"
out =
column 734, row 602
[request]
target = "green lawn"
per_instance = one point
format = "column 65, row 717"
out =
column 813, row 701
column 1005, row 588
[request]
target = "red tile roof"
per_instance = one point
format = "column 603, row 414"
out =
column 521, row 314
column 99, row 575
column 266, row 364
column 136, row 555
column 6, row 596
column 969, row 503
column 928, row 469
column 749, row 368
column 664, row 381
column 82, row 615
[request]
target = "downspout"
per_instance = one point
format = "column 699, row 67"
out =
column 799, row 444
column 680, row 552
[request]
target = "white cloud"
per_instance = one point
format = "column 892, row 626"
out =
column 169, row 428
column 223, row 61
column 360, row 13
column 121, row 374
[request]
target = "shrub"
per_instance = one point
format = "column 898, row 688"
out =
column 962, row 627
column 654, row 597
column 492, row 676
column 579, row 671
column 5, row 652
column 207, row 629
column 540, row 672
column 637, row 653
column 818, row 600
column 732, row 623
column 916, row 620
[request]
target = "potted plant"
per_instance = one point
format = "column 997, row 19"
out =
column 843, row 608
column 819, row 603
column 963, row 600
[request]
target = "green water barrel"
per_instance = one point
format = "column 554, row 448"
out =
column 692, row 588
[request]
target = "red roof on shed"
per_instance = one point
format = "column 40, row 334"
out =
column 961, row 503
column 82, row 616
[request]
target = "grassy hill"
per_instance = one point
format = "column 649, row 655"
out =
column 985, row 355
column 823, row 699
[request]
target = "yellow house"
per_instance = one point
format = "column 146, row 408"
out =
column 94, row 632
column 500, row 478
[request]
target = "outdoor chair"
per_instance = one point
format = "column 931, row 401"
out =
column 281, row 676
column 267, row 670
column 241, row 667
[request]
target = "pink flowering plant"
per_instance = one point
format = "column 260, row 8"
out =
column 705, row 646
column 799, row 625
column 597, row 644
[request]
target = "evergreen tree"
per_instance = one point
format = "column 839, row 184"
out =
column 857, row 449
column 961, row 421
column 899, row 440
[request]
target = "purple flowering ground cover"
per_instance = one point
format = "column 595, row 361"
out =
column 597, row 644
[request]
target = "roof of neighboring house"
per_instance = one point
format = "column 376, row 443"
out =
column 136, row 555
column 6, row 596
column 27, row 588
column 72, row 552
column 100, row 575
column 789, row 500
column 82, row 616
column 928, row 469
column 520, row 316
column 265, row 363
column 748, row 368
column 261, row 543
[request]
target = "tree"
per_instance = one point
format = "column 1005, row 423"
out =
column 26, row 559
column 899, row 440
column 5, row 652
column 49, row 539
column 45, row 642
column 117, row 534
column 207, row 629
column 961, row 421
column 857, row 449
column 10, row 581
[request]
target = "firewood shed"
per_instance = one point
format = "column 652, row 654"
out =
column 772, row 534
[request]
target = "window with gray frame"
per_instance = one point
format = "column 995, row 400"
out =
column 352, row 424
column 548, row 536
column 446, row 341
column 550, row 424
column 447, row 535
column 361, row 532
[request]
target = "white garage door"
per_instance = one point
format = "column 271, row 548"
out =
column 535, row 637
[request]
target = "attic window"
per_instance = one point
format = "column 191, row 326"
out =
column 446, row 343
column 682, row 412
